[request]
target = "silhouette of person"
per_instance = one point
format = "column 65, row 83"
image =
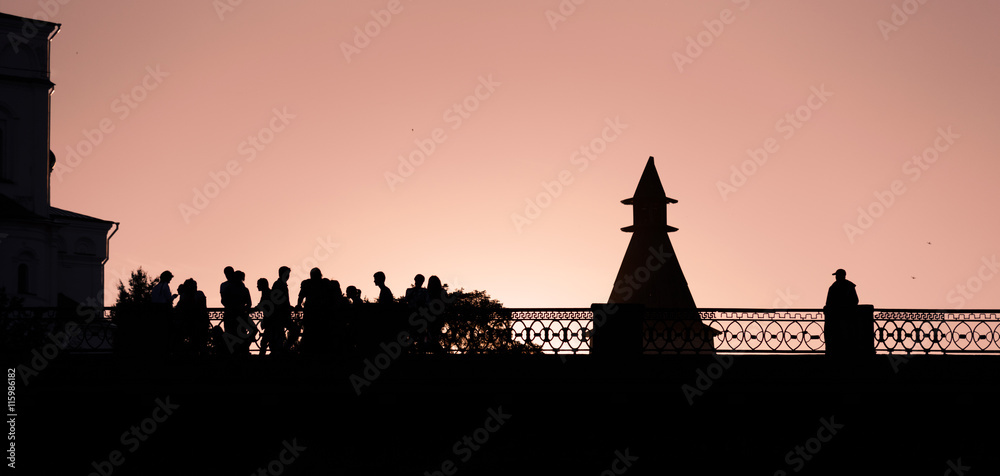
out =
column 435, row 294
column 193, row 310
column 228, row 271
column 313, row 291
column 282, row 311
column 161, row 292
column 356, row 328
column 335, row 325
column 162, row 331
column 274, row 331
column 417, row 295
column 384, row 295
column 337, row 299
column 236, row 317
column 354, row 296
column 846, row 336
column 842, row 292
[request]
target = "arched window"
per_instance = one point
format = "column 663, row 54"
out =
column 84, row 246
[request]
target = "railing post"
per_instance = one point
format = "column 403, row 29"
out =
column 848, row 331
column 617, row 330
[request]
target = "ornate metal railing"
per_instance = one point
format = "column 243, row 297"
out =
column 798, row 331
column 65, row 330
column 562, row 331
column 937, row 331
column 571, row 331
column 720, row 330
column 775, row 331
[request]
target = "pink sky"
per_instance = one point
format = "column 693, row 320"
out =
column 772, row 241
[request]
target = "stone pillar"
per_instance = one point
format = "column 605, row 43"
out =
column 849, row 331
column 617, row 330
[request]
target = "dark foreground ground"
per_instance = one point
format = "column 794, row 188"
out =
column 511, row 415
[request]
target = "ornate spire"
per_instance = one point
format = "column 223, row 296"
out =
column 649, row 202
column 650, row 273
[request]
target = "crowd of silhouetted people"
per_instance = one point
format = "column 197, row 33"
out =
column 332, row 321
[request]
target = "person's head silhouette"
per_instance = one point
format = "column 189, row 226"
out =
column 379, row 278
column 166, row 276
column 418, row 280
column 188, row 286
column 434, row 287
column 315, row 273
column 335, row 288
column 262, row 284
column 284, row 272
column 840, row 274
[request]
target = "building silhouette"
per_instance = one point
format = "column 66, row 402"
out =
column 650, row 275
column 49, row 256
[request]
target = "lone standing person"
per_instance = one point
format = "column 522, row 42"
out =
column 842, row 292
column 847, row 336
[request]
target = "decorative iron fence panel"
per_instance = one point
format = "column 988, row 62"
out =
column 571, row 331
column 937, row 331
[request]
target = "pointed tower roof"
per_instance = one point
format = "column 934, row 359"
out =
column 649, row 189
column 650, row 273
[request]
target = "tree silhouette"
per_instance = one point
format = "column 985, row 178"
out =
column 132, row 313
column 477, row 323
column 139, row 291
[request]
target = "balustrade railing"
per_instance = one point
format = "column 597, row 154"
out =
column 571, row 331
column 937, row 331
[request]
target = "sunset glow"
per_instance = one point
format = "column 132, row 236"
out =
column 490, row 143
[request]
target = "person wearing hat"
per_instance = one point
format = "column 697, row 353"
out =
column 842, row 292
